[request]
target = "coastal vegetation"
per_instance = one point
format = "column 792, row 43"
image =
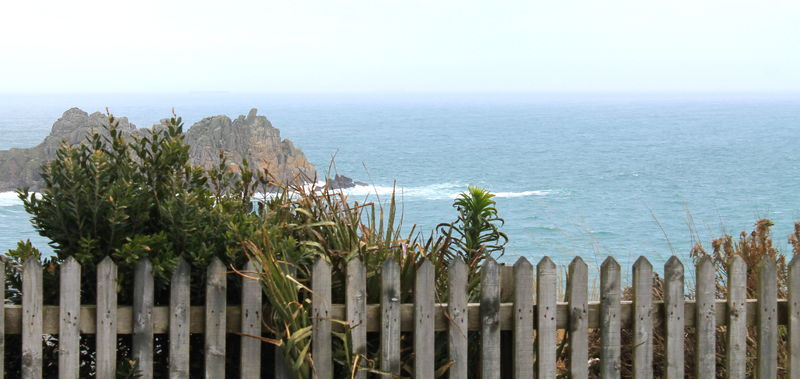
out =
column 138, row 196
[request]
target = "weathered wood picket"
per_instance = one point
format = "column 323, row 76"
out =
column 532, row 312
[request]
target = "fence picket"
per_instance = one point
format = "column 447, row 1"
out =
column 250, row 348
column 2, row 320
column 179, row 321
column 356, row 300
column 390, row 317
column 457, row 311
column 523, row 319
column 794, row 317
column 32, row 318
column 705, row 319
column 320, row 319
column 642, row 318
column 106, row 339
column 577, row 296
column 736, row 351
column 69, row 308
column 216, row 301
column 673, row 309
column 424, row 290
column 767, row 319
column 490, row 319
column 546, row 318
column 143, row 318
column 610, row 351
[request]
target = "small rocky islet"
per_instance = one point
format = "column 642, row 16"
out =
column 250, row 137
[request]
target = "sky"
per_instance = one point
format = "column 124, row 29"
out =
column 399, row 46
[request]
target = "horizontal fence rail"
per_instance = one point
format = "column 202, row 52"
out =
column 522, row 299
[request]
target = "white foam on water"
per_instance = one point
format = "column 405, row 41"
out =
column 523, row 193
column 9, row 199
column 438, row 191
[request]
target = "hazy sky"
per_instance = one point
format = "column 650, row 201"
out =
column 409, row 45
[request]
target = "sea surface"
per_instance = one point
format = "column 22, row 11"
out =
column 574, row 174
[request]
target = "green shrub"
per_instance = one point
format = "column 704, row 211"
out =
column 136, row 196
column 133, row 196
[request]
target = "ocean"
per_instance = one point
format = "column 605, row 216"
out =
column 574, row 174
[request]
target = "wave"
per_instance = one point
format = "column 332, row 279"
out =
column 9, row 199
column 439, row 191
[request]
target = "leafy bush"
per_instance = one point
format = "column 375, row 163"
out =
column 134, row 196
column 304, row 224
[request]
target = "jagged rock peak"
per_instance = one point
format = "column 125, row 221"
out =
column 250, row 137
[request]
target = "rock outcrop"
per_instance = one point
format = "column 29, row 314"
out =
column 341, row 181
column 250, row 137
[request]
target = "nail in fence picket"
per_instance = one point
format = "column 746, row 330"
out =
column 424, row 287
column 610, row 334
column 523, row 319
column 69, row 319
column 179, row 321
column 390, row 317
column 794, row 317
column 528, row 311
column 546, row 318
column 143, row 318
column 216, row 301
column 642, row 319
column 736, row 346
column 32, row 319
column 356, row 300
column 320, row 319
column 490, row 320
column 674, row 314
column 767, row 319
column 106, row 339
column 250, row 357
column 577, row 296
column 2, row 321
column 457, row 314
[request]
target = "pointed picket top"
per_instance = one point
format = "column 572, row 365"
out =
column 252, row 267
column 181, row 268
column 489, row 261
column 766, row 262
column 610, row 264
column 71, row 263
column 321, row 263
column 145, row 265
column 106, row 262
column 354, row 264
column 705, row 265
column 32, row 263
column 546, row 264
column 578, row 262
column 736, row 343
column 793, row 263
column 642, row 264
column 794, row 318
column 216, row 265
column 388, row 264
column 738, row 261
column 456, row 263
column 424, row 266
column 522, row 263
column 673, row 266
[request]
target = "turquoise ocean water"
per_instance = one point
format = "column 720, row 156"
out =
column 588, row 175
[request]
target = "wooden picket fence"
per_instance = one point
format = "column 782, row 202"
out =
column 533, row 316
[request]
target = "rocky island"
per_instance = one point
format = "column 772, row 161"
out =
column 250, row 137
